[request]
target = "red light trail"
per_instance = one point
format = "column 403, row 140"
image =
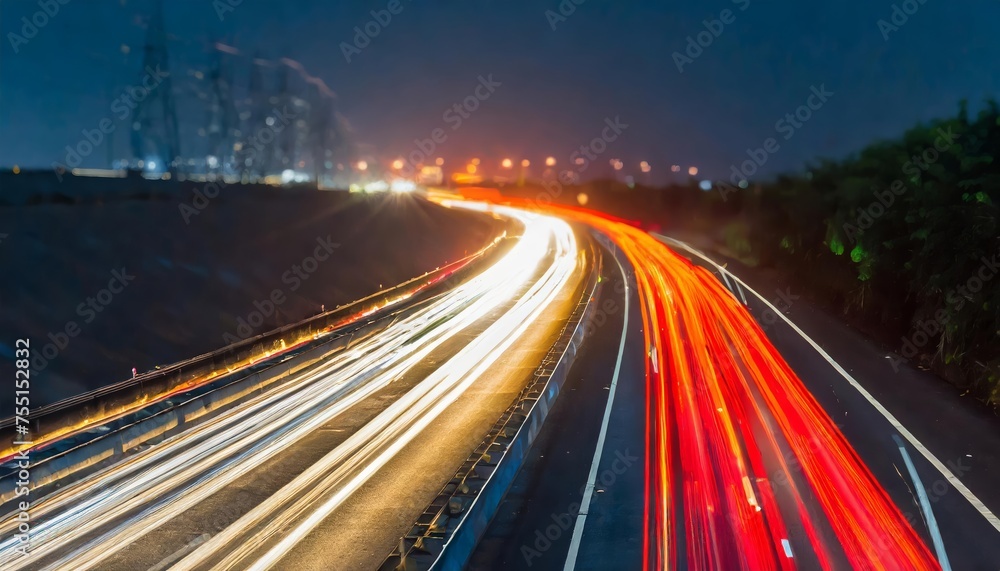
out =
column 745, row 470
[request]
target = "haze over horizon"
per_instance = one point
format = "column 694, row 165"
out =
column 557, row 86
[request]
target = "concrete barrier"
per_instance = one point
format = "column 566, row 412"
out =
column 446, row 535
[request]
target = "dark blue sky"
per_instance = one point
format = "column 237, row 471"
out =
column 609, row 58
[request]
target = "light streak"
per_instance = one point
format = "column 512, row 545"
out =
column 88, row 521
column 743, row 463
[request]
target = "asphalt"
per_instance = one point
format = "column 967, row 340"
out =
column 534, row 526
column 361, row 533
column 960, row 432
column 533, row 531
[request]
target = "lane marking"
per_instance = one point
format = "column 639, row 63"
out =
column 787, row 547
column 588, row 492
column 947, row 473
column 925, row 506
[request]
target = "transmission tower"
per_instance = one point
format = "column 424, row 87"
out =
column 254, row 160
column 222, row 119
column 154, row 132
column 286, row 140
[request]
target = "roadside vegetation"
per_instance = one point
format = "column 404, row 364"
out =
column 902, row 237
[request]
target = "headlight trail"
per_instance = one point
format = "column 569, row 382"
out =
column 745, row 470
column 90, row 520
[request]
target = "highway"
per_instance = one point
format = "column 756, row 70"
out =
column 109, row 519
column 686, row 437
column 687, row 441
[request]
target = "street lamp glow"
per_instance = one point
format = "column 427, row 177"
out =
column 397, row 164
column 362, row 165
column 644, row 166
column 475, row 162
column 439, row 161
column 675, row 168
column 507, row 163
column 525, row 163
column 550, row 162
column 693, row 171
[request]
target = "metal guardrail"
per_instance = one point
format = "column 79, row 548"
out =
column 113, row 401
column 446, row 534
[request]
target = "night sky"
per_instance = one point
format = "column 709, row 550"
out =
column 608, row 59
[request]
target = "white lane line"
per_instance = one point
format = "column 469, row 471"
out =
column 729, row 286
column 925, row 506
column 588, row 492
column 787, row 547
column 948, row 475
column 743, row 297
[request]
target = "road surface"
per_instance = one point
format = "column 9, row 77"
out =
column 364, row 439
column 831, row 478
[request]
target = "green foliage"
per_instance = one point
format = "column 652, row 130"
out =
column 918, row 216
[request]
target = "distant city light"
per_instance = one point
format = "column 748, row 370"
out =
column 644, row 166
column 397, row 164
column 579, row 160
column 475, row 162
column 675, row 168
column 582, row 199
column 525, row 163
column 402, row 186
column 291, row 175
column 705, row 185
column 16, row 169
column 693, row 171
column 471, row 168
column 362, row 165
column 439, row 161
column 377, row 186
column 744, row 183
column 213, row 161
column 617, row 164
column 550, row 162
column 507, row 163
